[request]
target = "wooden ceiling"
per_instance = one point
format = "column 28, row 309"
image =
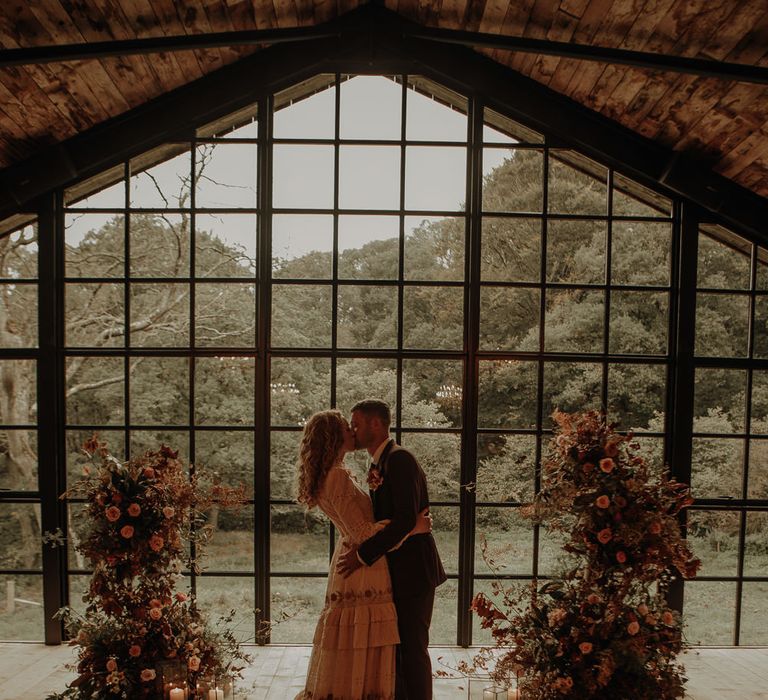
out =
column 721, row 123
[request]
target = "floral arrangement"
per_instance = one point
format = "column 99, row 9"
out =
column 140, row 513
column 602, row 629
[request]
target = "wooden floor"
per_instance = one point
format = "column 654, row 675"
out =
column 277, row 673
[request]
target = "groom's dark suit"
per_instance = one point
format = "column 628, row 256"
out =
column 415, row 567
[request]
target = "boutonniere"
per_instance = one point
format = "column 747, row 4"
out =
column 375, row 479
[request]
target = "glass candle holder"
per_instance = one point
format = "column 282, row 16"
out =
column 494, row 692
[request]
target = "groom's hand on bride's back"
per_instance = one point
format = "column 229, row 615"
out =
column 348, row 562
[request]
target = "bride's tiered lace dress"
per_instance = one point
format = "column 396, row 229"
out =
column 353, row 653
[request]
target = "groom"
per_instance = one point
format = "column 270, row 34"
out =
column 399, row 492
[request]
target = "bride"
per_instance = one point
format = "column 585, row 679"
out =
column 353, row 651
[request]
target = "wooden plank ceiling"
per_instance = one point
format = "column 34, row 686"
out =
column 723, row 124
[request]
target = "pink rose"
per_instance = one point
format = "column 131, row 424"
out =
column 604, row 536
column 194, row 663
column 127, row 531
column 606, row 465
column 113, row 514
column 134, row 651
column 134, row 510
column 155, row 613
column 603, row 501
column 148, row 674
column 111, row 665
column 181, row 597
column 642, row 609
column 375, row 479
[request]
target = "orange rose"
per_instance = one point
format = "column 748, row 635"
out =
column 194, row 663
column 156, row 543
column 116, row 497
column 155, row 603
column 633, row 627
column 585, row 647
column 642, row 609
column 169, row 512
column 593, row 599
column 127, row 531
column 655, row 528
column 111, row 665
column 611, row 449
column 134, row 651
column 148, row 472
column 113, row 514
column 606, row 465
column 621, row 557
column 181, row 597
column 604, row 536
column 588, row 467
column 155, row 613
column 148, row 674
column 603, row 501
column 134, row 510
column 667, row 618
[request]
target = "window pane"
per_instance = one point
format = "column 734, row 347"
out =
column 718, row 400
column 369, row 177
column 508, row 541
column 77, row 460
column 713, row 535
column 94, row 315
column 301, row 316
column 18, row 379
column 226, row 175
column 761, row 327
column 445, row 529
column 639, row 323
column 754, row 620
column 225, row 315
column 506, row 466
column 358, row 379
column 20, row 532
column 577, row 185
column 758, row 469
column 163, row 186
column 370, row 108
column 302, row 246
column 225, row 245
column 300, row 386
column 94, row 390
column 710, row 612
column 104, row 191
column 509, row 318
column 368, row 247
column 574, row 321
column 306, row 117
column 716, row 467
column 94, row 245
column 159, row 315
column 429, row 118
column 443, row 628
column 219, row 595
column 433, row 318
column 721, row 266
column 24, row 618
column 553, row 559
column 756, row 544
column 571, row 386
column 303, row 176
column 435, row 178
column 513, row 180
column 576, row 252
column 722, row 325
column 144, row 440
column 761, row 283
column 159, row 245
column 283, row 453
column 231, row 547
column 637, row 395
column 434, row 248
column 439, row 455
column 510, row 250
column 641, row 253
column 507, row 394
column 160, row 391
column 18, row 458
column 299, row 539
column 224, row 390
column 367, row 317
column 432, row 393
column 300, row 600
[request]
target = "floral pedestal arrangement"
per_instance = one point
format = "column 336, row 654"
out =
column 602, row 629
column 139, row 637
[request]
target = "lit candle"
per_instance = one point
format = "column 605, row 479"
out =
column 216, row 694
column 176, row 694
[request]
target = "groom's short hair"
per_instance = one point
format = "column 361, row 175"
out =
column 375, row 408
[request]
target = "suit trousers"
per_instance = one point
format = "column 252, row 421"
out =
column 414, row 667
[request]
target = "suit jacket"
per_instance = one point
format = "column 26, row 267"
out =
column 414, row 567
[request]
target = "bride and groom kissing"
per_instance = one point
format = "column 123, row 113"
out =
column 373, row 632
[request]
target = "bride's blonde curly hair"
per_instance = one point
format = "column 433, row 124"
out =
column 320, row 449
